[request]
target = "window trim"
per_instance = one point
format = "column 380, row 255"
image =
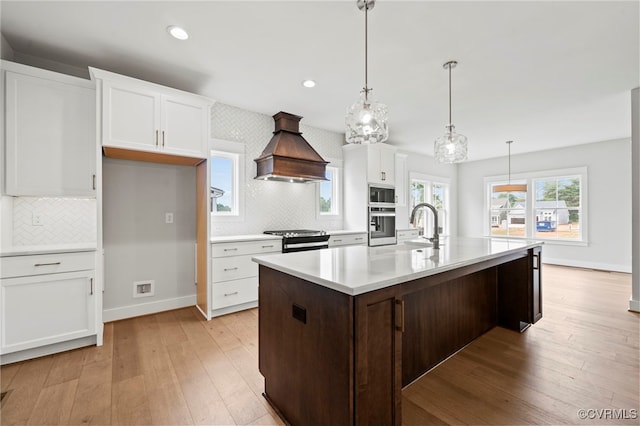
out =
column 235, row 151
column 530, row 177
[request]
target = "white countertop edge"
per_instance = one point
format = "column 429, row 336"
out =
column 241, row 238
column 377, row 285
column 37, row 250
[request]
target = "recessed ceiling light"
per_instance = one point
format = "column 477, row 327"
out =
column 177, row 32
column 308, row 83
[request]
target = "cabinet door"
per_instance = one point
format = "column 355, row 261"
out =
column 381, row 164
column 401, row 179
column 50, row 137
column 130, row 116
column 184, row 126
column 45, row 309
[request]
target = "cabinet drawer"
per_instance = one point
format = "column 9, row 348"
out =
column 408, row 234
column 347, row 240
column 245, row 247
column 232, row 268
column 234, row 292
column 21, row 266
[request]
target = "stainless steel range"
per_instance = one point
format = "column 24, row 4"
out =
column 302, row 239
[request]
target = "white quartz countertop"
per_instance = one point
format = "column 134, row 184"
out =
column 46, row 249
column 359, row 269
column 247, row 237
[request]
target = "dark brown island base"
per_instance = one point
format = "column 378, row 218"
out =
column 341, row 355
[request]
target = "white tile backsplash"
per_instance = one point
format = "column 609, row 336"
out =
column 271, row 205
column 64, row 221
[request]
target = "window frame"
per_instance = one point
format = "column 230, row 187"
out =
column 336, row 192
column 236, row 152
column 433, row 180
column 530, row 178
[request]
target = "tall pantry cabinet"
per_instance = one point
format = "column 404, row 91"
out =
column 50, row 293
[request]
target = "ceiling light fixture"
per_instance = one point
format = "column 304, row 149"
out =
column 509, row 187
column 452, row 147
column 178, row 32
column 366, row 120
column 309, row 83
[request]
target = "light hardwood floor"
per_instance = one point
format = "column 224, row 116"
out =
column 174, row 368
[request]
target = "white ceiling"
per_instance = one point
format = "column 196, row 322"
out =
column 542, row 73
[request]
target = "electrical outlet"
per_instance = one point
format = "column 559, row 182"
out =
column 37, row 219
column 168, row 218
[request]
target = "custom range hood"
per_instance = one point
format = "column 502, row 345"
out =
column 288, row 157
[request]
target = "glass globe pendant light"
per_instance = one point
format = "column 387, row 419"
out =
column 452, row 147
column 366, row 120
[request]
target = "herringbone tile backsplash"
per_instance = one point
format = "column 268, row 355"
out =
column 64, row 221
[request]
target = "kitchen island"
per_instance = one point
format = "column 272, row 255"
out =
column 343, row 330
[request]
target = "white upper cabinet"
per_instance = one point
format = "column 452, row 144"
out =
column 142, row 116
column 381, row 163
column 50, row 133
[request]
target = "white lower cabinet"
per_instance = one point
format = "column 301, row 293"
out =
column 46, row 299
column 348, row 239
column 234, row 276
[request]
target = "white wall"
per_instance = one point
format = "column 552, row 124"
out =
column 139, row 245
column 634, row 303
column 609, row 200
column 271, row 205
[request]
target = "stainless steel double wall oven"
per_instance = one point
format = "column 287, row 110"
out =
column 382, row 215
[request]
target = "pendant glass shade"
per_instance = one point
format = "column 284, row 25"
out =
column 366, row 121
column 451, row 147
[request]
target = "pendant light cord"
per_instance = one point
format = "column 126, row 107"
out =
column 366, row 58
column 450, row 98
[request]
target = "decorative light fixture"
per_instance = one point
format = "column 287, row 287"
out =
column 366, row 120
column 509, row 187
column 178, row 32
column 452, row 147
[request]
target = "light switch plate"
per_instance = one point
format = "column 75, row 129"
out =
column 37, row 219
column 168, row 218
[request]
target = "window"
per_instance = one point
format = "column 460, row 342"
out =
column 328, row 200
column 435, row 191
column 224, row 184
column 227, row 173
column 552, row 208
column 508, row 211
column 558, row 208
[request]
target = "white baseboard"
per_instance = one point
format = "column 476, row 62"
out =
column 634, row 305
column 234, row 308
column 131, row 311
column 588, row 265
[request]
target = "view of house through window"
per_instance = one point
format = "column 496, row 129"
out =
column 557, row 212
column 425, row 189
column 224, row 168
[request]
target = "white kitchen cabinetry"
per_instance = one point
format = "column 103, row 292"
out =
column 142, row 116
column 363, row 166
column 381, row 163
column 407, row 234
column 234, row 276
column 46, row 299
column 401, row 180
column 50, row 124
column 348, row 239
